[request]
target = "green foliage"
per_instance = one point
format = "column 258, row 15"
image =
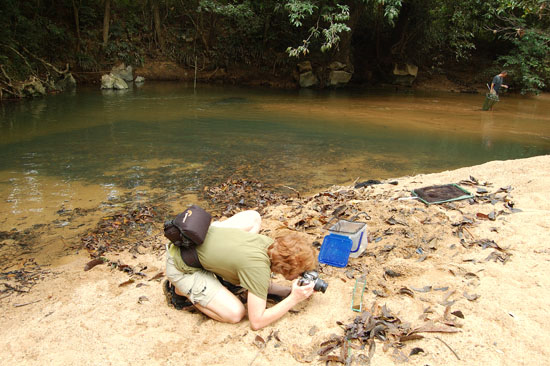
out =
column 235, row 11
column 329, row 24
column 125, row 51
column 526, row 25
column 390, row 9
column 453, row 28
column 299, row 10
column 529, row 62
column 87, row 62
column 257, row 32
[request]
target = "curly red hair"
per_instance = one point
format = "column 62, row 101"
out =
column 291, row 255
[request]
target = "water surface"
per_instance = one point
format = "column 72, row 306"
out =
column 88, row 148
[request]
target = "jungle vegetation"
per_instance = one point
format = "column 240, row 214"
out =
column 41, row 38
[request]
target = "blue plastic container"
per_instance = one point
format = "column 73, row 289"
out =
column 335, row 250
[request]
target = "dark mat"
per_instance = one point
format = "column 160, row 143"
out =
column 441, row 194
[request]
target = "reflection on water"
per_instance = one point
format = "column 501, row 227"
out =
column 91, row 147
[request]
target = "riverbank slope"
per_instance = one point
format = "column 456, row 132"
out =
column 469, row 277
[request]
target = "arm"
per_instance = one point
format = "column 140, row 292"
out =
column 260, row 317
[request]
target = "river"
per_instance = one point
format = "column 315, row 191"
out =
column 89, row 148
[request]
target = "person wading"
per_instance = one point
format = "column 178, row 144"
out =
column 497, row 82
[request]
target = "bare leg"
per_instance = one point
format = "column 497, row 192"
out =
column 245, row 220
column 224, row 307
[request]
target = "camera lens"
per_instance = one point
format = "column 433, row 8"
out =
column 320, row 285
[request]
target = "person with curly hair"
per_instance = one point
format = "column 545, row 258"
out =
column 234, row 252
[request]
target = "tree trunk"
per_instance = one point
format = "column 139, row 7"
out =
column 267, row 25
column 377, row 30
column 77, row 24
column 156, row 20
column 201, row 31
column 106, row 21
column 343, row 54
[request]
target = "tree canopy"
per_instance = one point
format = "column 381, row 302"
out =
column 91, row 35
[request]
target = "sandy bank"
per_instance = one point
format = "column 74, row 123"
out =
column 87, row 318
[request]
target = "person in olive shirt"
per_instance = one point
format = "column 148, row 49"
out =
column 234, row 250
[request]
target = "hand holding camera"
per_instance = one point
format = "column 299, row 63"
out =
column 313, row 277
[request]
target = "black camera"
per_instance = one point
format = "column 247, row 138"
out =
column 312, row 276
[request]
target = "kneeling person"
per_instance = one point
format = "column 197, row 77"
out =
column 235, row 251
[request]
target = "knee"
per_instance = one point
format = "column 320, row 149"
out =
column 235, row 315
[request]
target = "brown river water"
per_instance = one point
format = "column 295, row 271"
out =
column 94, row 151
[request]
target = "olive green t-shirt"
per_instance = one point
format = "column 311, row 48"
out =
column 237, row 256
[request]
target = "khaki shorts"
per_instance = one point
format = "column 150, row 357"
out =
column 200, row 286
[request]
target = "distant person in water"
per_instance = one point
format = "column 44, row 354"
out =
column 497, row 82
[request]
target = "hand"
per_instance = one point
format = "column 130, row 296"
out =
column 505, row 86
column 300, row 293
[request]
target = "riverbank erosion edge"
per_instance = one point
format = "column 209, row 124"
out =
column 456, row 283
column 460, row 81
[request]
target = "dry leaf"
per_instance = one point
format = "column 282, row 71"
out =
column 126, row 283
column 301, row 355
column 91, row 264
column 259, row 342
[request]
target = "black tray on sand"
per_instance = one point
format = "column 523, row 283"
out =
column 441, row 194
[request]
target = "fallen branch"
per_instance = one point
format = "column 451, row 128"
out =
column 10, row 287
column 47, row 63
column 25, row 304
column 5, row 75
column 294, row 190
column 20, row 55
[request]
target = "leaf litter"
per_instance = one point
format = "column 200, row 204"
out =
column 400, row 226
column 379, row 324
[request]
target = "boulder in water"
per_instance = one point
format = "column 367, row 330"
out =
column 67, row 82
column 338, row 78
column 111, row 81
column 404, row 74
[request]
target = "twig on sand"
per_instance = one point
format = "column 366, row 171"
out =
column 261, row 344
column 472, row 235
column 449, row 347
column 25, row 304
column 15, row 288
column 292, row 189
column 255, row 357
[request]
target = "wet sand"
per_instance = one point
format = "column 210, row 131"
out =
column 82, row 317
